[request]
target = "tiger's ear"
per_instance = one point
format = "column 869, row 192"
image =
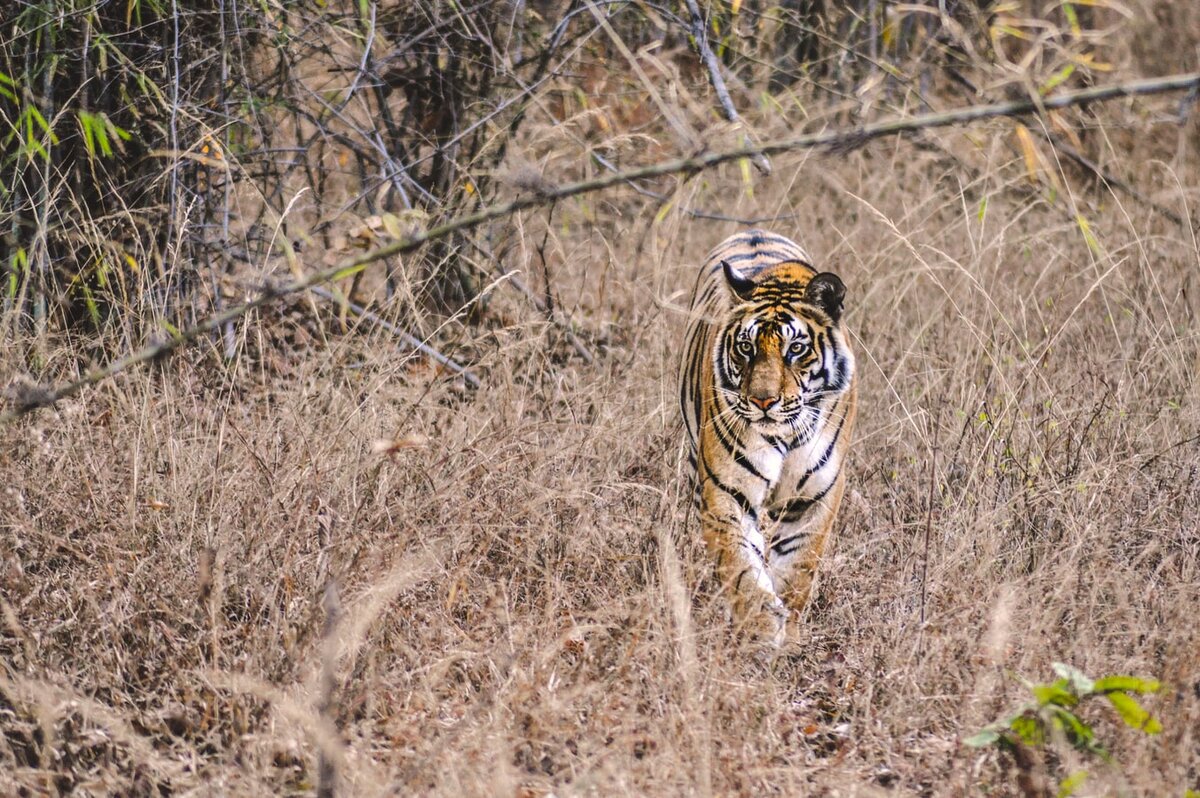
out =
column 826, row 291
column 741, row 285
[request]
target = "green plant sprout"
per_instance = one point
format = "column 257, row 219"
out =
column 1052, row 716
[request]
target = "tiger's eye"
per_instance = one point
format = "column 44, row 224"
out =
column 744, row 348
column 798, row 348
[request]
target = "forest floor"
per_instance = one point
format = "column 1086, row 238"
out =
column 522, row 603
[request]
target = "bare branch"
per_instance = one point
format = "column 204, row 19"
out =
column 31, row 398
column 700, row 34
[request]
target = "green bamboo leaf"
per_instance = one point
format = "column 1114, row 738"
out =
column 663, row 211
column 18, row 264
column 102, row 140
column 119, row 132
column 36, row 116
column 1133, row 713
column 1072, row 18
column 8, row 87
column 93, row 309
column 89, row 138
column 1088, row 236
column 349, row 271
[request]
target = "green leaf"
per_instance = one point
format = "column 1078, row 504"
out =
column 1072, row 18
column 1088, row 236
column 86, row 122
column 18, row 264
column 1133, row 713
column 983, row 738
column 1081, row 683
column 1130, row 684
column 1054, row 693
column 1071, row 783
column 663, row 211
column 1056, row 79
column 119, row 132
column 36, row 116
column 1029, row 728
column 349, row 271
column 8, row 87
column 1078, row 733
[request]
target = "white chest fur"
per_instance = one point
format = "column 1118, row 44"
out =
column 807, row 469
column 765, row 458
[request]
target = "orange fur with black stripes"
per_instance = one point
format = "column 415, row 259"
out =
column 768, row 397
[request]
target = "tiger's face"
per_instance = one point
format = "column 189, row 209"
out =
column 782, row 354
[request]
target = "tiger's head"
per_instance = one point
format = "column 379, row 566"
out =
column 782, row 356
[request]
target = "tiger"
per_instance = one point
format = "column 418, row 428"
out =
column 769, row 398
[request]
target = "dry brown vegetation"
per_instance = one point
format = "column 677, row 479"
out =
column 325, row 554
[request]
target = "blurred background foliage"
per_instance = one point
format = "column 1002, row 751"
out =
column 159, row 157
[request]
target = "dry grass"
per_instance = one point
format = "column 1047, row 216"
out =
column 525, row 605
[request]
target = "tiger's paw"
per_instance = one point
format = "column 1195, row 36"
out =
column 797, row 636
column 763, row 625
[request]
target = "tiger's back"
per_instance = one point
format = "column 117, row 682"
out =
column 767, row 392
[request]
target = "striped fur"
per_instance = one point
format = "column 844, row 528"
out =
column 767, row 390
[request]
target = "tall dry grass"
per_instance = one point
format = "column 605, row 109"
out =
column 525, row 607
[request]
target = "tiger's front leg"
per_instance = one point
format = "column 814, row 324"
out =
column 799, row 541
column 731, row 534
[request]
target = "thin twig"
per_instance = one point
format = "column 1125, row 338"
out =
column 331, row 603
column 512, row 278
column 933, row 452
column 409, row 340
column 1108, row 178
column 692, row 212
column 27, row 398
column 700, row 34
column 1153, row 458
column 677, row 123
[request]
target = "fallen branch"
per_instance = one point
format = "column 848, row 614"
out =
column 27, row 398
column 700, row 34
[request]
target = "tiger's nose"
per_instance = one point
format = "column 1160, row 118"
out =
column 764, row 402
